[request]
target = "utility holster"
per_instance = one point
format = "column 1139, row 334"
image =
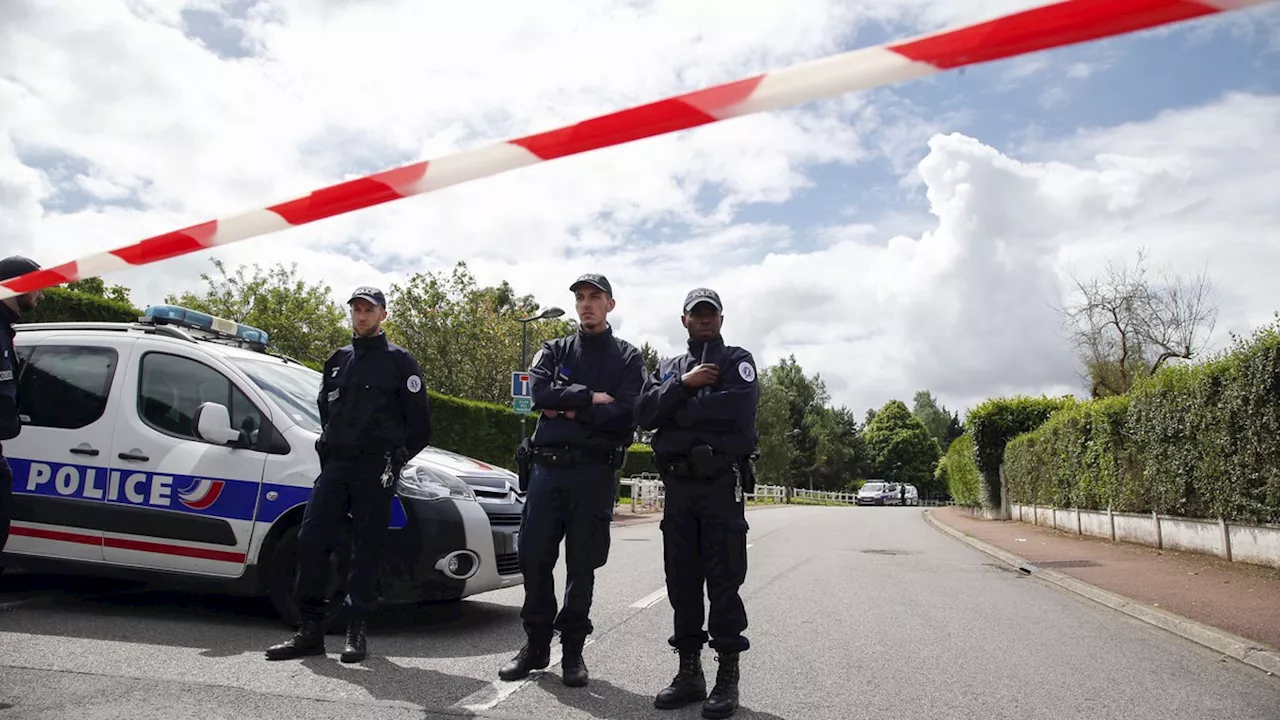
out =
column 524, row 462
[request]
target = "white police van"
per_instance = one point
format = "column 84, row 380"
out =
column 179, row 446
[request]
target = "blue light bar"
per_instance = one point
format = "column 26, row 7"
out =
column 176, row 315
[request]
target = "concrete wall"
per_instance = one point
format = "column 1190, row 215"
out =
column 1254, row 544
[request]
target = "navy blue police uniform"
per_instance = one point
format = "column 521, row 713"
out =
column 572, row 486
column 703, row 446
column 375, row 415
column 10, row 423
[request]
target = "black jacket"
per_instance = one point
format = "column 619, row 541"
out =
column 565, row 372
column 10, row 425
column 722, row 416
column 373, row 400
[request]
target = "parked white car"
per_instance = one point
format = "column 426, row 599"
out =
column 179, row 446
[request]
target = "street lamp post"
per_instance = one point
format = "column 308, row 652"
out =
column 551, row 312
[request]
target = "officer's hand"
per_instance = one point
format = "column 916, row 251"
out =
column 701, row 376
column 601, row 398
column 550, row 413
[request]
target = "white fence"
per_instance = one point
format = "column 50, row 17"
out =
column 647, row 494
column 1254, row 544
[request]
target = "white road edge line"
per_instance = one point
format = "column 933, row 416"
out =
column 495, row 692
column 651, row 599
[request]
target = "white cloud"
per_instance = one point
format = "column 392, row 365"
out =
column 958, row 302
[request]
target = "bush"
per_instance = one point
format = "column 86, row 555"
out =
column 1209, row 435
column 480, row 430
column 958, row 472
column 1083, row 456
column 63, row 305
column 994, row 423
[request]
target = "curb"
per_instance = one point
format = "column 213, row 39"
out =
column 1251, row 653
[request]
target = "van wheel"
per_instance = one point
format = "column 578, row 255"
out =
column 282, row 578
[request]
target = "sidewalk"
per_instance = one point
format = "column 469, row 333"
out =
column 1239, row 598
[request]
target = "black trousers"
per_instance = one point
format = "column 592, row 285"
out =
column 704, row 541
column 344, row 484
column 573, row 504
column 6, row 501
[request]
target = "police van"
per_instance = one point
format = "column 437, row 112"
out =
column 179, row 446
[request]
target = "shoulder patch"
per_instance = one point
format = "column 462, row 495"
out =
column 747, row 372
column 537, row 358
column 414, row 383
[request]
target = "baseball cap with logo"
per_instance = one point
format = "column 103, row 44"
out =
column 599, row 281
column 702, row 295
column 372, row 294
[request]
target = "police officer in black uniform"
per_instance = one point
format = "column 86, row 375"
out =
column 375, row 416
column 703, row 406
column 584, row 386
column 11, row 310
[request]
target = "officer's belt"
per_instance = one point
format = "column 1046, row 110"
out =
column 683, row 466
column 569, row 455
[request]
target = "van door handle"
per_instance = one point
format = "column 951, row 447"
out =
column 91, row 452
column 132, row 456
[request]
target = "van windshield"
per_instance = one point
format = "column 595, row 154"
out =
column 294, row 387
column 873, row 487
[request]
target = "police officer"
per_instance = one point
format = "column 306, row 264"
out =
column 11, row 310
column 375, row 415
column 584, row 386
column 703, row 406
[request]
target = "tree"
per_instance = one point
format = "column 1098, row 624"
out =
column 774, row 432
column 935, row 418
column 902, row 449
column 840, row 450
column 300, row 318
column 804, row 397
column 650, row 358
column 466, row 338
column 1125, row 326
column 95, row 286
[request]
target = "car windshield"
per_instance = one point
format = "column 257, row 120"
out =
column 873, row 487
column 294, row 387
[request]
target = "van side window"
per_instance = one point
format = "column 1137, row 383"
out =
column 66, row 386
column 172, row 387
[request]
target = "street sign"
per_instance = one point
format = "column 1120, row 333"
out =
column 520, row 387
column 522, row 405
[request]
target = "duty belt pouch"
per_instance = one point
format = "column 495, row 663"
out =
column 703, row 462
column 524, row 462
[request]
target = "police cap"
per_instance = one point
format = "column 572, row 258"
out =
column 703, row 295
column 16, row 266
column 599, row 281
column 372, row 294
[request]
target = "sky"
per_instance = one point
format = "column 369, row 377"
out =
column 913, row 237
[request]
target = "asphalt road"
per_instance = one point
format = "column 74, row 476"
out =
column 855, row 613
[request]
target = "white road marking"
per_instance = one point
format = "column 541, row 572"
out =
column 495, row 692
column 651, row 599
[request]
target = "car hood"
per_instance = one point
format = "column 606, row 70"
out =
column 473, row 472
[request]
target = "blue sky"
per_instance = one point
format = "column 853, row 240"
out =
column 130, row 119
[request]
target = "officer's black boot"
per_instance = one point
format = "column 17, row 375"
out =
column 357, row 643
column 689, row 685
column 309, row 640
column 723, row 700
column 535, row 655
column 572, row 665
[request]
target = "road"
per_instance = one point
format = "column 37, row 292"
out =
column 855, row 613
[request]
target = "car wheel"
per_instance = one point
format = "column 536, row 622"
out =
column 283, row 577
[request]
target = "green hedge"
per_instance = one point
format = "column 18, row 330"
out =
column 1193, row 440
column 1083, row 456
column 63, row 305
column 958, row 472
column 480, row 430
column 994, row 423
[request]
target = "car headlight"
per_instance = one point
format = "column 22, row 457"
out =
column 423, row 482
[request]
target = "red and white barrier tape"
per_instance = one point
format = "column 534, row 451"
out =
column 1041, row 28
